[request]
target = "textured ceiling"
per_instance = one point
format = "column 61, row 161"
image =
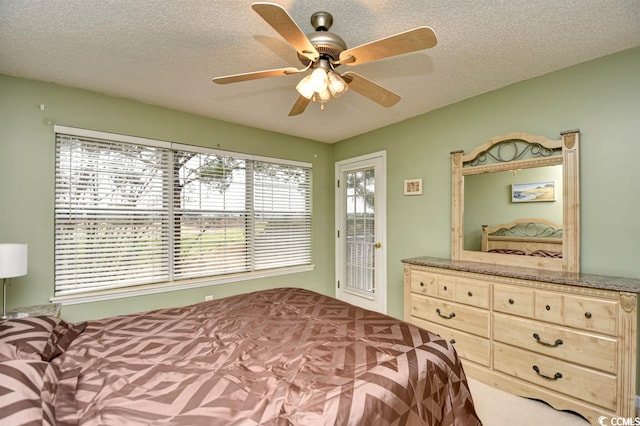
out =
column 165, row 52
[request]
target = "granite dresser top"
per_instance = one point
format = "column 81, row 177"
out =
column 603, row 282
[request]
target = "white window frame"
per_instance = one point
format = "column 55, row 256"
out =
column 175, row 285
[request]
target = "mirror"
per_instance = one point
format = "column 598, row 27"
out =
column 521, row 191
column 488, row 200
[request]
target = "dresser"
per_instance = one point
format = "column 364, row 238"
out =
column 569, row 339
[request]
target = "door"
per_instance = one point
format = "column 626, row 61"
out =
column 361, row 273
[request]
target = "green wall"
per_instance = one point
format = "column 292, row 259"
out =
column 27, row 182
column 600, row 97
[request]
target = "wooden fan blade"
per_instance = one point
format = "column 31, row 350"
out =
column 256, row 75
column 408, row 41
column 299, row 106
column 371, row 90
column 281, row 21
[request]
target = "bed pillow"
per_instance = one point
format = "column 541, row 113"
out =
column 25, row 338
column 27, row 389
column 61, row 337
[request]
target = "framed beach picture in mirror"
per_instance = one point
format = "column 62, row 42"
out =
column 533, row 192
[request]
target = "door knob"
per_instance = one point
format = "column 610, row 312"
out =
column 377, row 245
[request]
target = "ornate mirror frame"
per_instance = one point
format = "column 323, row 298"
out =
column 539, row 151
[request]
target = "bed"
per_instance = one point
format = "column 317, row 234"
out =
column 274, row 357
column 527, row 237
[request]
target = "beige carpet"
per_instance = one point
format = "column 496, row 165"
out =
column 498, row 408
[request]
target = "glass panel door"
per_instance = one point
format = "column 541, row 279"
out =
column 360, row 234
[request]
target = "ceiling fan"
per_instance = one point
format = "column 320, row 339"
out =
column 323, row 51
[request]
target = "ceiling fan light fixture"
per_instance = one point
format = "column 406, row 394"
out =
column 319, row 79
column 322, row 85
column 306, row 87
column 337, row 86
column 325, row 95
column 316, row 82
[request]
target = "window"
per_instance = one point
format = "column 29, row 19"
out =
column 132, row 211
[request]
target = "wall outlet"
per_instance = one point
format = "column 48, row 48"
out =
column 208, row 298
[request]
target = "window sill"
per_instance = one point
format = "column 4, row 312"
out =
column 98, row 296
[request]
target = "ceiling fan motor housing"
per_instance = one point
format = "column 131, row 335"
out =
column 328, row 44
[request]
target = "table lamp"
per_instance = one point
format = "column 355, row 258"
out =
column 13, row 263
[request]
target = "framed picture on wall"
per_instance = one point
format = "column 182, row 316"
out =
column 413, row 187
column 533, row 192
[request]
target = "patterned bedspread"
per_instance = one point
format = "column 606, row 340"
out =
column 275, row 357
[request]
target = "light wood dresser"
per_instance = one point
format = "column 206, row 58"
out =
column 565, row 338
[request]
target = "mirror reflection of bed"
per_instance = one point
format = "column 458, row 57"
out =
column 488, row 201
column 524, row 237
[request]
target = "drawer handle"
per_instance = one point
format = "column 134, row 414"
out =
column 445, row 288
column 421, row 284
column 470, row 294
column 511, row 301
column 587, row 314
column 544, row 376
column 557, row 343
column 452, row 341
column 451, row 315
column 548, row 308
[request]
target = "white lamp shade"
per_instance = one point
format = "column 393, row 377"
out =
column 319, row 79
column 305, row 87
column 337, row 86
column 13, row 260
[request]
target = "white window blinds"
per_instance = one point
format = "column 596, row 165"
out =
column 128, row 214
column 212, row 233
column 282, row 214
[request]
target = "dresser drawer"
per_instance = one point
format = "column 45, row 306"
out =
column 549, row 307
column 585, row 384
column 446, row 287
column 591, row 314
column 513, row 300
column 471, row 292
column 583, row 348
column 450, row 314
column 423, row 282
column 468, row 346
